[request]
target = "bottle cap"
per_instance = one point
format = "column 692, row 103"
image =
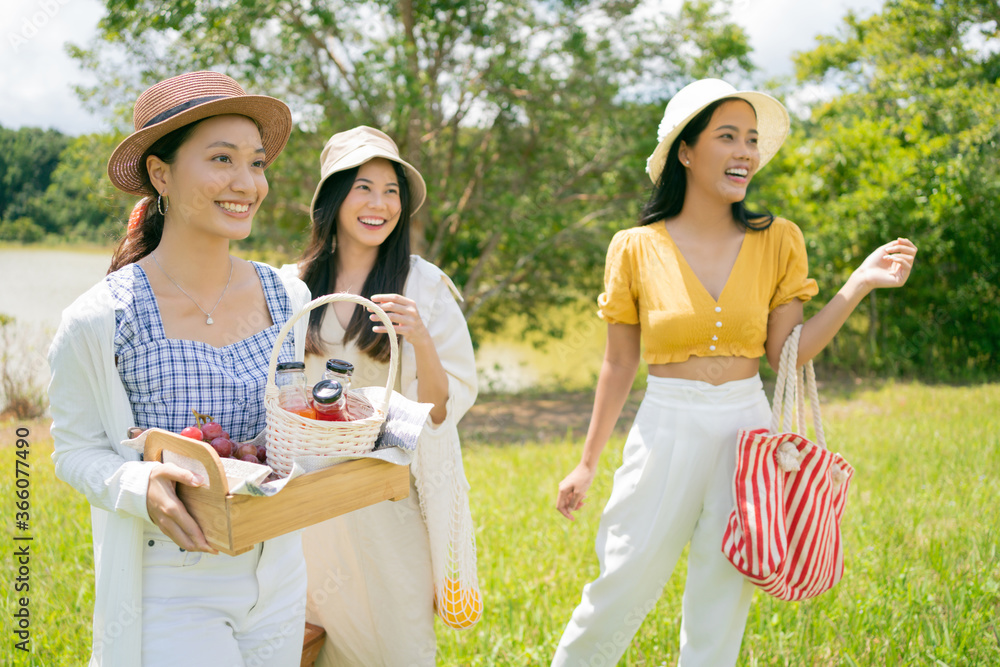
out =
column 291, row 366
column 327, row 391
column 340, row 366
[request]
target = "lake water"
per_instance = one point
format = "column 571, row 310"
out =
column 36, row 285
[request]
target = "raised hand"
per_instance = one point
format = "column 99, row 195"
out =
column 404, row 316
column 889, row 265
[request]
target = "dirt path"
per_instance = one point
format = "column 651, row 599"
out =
column 498, row 419
column 513, row 420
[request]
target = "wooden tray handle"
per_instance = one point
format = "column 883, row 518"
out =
column 157, row 440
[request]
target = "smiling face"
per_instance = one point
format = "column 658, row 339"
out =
column 724, row 158
column 372, row 207
column 216, row 181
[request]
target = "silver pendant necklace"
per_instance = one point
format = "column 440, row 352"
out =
column 208, row 314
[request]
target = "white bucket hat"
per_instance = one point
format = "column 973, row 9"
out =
column 772, row 119
column 356, row 146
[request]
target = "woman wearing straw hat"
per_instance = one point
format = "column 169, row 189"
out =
column 373, row 573
column 709, row 287
column 179, row 324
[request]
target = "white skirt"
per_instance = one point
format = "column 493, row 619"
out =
column 371, row 588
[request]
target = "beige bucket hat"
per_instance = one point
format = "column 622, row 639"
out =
column 356, row 146
column 182, row 100
column 772, row 119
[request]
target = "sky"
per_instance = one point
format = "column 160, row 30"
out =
column 36, row 74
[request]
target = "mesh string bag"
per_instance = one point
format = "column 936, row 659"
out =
column 444, row 504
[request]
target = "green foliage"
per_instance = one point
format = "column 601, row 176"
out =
column 530, row 121
column 54, row 188
column 22, row 230
column 27, row 159
column 82, row 204
column 910, row 149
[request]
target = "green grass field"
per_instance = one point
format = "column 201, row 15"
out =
column 921, row 529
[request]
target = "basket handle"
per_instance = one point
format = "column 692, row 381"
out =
column 790, row 392
column 331, row 298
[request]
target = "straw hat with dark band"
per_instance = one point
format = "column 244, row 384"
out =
column 182, row 100
column 772, row 119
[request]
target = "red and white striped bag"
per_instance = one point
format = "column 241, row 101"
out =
column 784, row 534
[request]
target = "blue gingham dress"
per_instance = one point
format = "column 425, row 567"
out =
column 166, row 378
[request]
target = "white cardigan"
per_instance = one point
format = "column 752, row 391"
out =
column 91, row 414
column 437, row 301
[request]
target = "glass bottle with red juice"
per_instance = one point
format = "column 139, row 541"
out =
column 329, row 401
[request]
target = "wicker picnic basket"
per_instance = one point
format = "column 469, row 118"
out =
column 290, row 435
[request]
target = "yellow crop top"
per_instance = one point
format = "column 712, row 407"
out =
column 648, row 282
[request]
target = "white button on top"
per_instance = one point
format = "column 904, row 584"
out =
column 718, row 309
column 711, row 347
column 718, row 324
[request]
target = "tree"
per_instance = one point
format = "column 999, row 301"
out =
column 530, row 120
column 80, row 202
column 54, row 187
column 28, row 157
column 908, row 149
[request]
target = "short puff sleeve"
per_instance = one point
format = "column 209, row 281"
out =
column 793, row 270
column 618, row 304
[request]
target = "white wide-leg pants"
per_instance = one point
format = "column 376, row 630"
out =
column 200, row 609
column 674, row 487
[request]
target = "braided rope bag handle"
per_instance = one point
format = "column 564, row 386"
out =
column 290, row 435
column 788, row 407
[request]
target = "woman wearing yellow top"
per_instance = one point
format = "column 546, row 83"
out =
column 709, row 287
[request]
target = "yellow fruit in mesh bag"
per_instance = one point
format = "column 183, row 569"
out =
column 460, row 607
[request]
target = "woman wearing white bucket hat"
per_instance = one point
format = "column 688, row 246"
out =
column 709, row 287
column 374, row 573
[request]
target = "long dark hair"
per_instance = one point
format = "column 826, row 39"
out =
column 144, row 240
column 667, row 199
column 318, row 266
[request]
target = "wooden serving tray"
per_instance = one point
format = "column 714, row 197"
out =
column 233, row 524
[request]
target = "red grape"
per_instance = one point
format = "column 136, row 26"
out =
column 251, row 458
column 223, row 446
column 245, row 450
column 262, row 453
column 193, row 432
column 212, row 430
